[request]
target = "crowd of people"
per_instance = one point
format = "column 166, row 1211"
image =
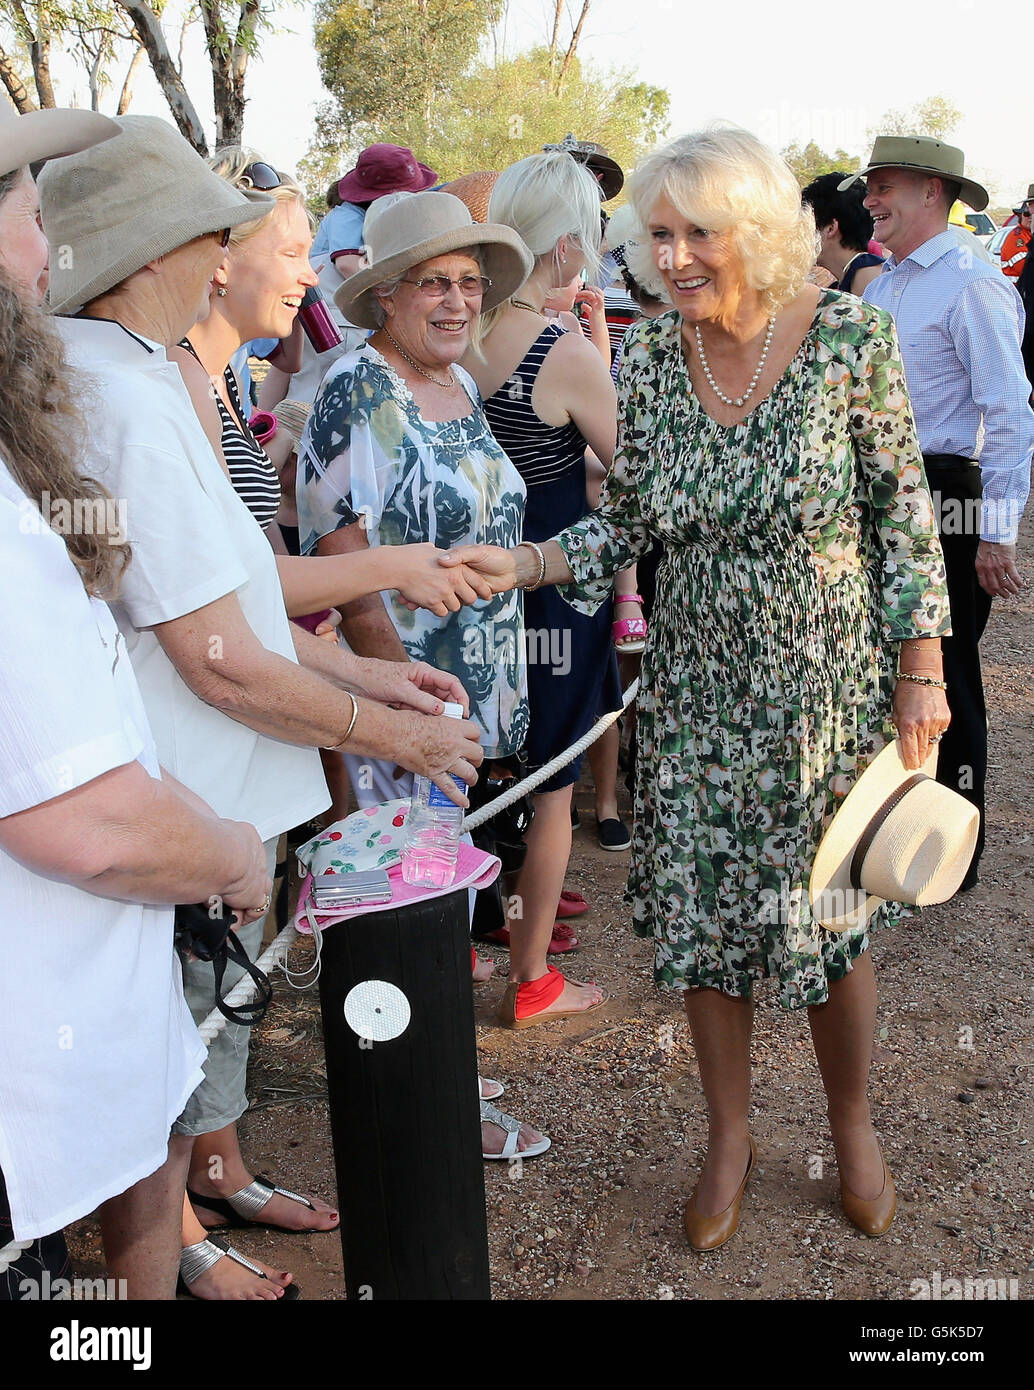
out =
column 777, row 446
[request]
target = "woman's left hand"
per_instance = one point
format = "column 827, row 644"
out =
column 407, row 684
column 920, row 715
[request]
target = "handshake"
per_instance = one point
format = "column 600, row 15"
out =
column 444, row 581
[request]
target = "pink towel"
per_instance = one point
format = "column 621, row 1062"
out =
column 474, row 869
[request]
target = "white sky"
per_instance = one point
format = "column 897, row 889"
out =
column 789, row 70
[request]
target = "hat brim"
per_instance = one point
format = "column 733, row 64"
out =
column 608, row 174
column 51, row 134
column 830, row 883
column 350, row 190
column 507, row 263
column 970, row 192
column 66, row 296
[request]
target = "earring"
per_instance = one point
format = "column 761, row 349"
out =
column 221, row 291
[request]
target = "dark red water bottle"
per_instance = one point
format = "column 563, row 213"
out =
column 318, row 325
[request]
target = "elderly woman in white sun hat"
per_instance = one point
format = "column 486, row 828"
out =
column 238, row 698
column 98, row 1051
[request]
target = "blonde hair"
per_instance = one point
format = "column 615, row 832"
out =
column 230, row 162
column 725, row 180
column 543, row 198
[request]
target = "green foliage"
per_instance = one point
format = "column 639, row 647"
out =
column 497, row 113
column 808, row 161
column 389, row 61
column 935, row 116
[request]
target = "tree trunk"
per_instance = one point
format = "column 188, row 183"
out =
column 151, row 35
column 573, row 44
column 242, row 50
column 558, row 7
column 16, row 88
column 96, row 64
column 38, row 43
column 229, row 63
column 126, row 95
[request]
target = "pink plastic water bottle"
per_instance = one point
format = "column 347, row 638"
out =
column 433, row 830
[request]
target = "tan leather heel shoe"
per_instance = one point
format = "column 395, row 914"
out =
column 708, row 1232
column 873, row 1216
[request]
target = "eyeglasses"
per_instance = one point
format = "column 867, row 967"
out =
column 224, row 237
column 438, row 286
column 261, row 177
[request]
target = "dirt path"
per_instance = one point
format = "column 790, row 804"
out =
column 599, row 1216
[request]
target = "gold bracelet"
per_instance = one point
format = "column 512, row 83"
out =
column 922, row 680
column 530, row 588
column 351, row 722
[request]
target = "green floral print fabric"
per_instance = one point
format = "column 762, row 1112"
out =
column 800, row 548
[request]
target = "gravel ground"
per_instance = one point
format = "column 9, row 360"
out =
column 598, row 1217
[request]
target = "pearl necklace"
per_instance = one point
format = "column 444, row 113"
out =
column 449, row 385
column 740, row 400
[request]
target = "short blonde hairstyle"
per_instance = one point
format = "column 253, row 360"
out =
column 725, row 180
column 230, row 162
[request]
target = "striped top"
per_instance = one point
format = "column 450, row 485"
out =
column 541, row 453
column 255, row 480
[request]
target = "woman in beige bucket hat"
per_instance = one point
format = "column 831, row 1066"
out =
column 237, row 717
column 95, row 845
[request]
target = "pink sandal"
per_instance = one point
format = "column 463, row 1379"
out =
column 629, row 627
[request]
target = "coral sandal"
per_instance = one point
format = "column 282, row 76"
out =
column 634, row 628
column 524, row 1003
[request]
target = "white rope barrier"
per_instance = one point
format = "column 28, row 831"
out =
column 10, row 1253
column 276, row 953
column 544, row 773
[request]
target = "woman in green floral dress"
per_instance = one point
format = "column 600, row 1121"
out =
column 766, row 438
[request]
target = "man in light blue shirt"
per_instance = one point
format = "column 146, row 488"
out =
column 960, row 324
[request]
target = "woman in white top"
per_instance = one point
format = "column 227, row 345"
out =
column 98, row 1052
column 238, row 698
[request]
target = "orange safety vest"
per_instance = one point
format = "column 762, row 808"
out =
column 1014, row 251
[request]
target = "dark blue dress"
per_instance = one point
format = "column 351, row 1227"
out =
column 572, row 667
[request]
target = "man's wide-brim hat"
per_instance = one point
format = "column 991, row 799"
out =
column 926, row 156
column 415, row 227
column 110, row 210
column 898, row 837
column 606, row 171
column 383, row 169
column 48, row 134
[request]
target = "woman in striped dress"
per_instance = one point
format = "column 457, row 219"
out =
column 255, row 294
column 548, row 396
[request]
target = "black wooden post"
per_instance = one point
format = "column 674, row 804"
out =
column 404, row 1110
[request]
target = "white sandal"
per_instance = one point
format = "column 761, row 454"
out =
column 493, row 1116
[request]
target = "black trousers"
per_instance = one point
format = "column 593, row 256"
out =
column 962, row 762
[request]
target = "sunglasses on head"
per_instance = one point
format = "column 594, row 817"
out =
column 261, row 177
